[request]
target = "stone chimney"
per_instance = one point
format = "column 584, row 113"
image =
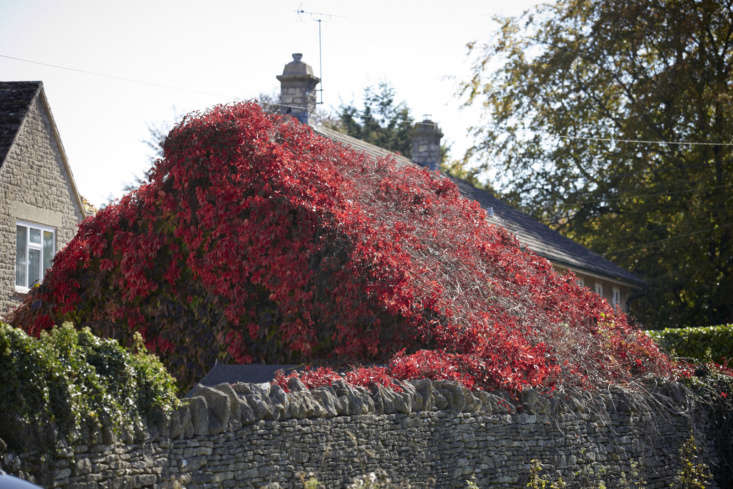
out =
column 297, row 89
column 426, row 144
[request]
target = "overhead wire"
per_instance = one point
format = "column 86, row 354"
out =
column 220, row 94
column 136, row 80
column 671, row 193
column 646, row 141
column 669, row 238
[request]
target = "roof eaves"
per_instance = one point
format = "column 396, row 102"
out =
column 631, row 280
column 62, row 151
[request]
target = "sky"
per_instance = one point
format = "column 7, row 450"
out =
column 162, row 59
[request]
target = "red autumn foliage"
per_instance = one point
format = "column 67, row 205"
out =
column 255, row 239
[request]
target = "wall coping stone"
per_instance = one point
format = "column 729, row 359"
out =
column 227, row 407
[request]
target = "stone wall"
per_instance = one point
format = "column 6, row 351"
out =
column 432, row 434
column 34, row 187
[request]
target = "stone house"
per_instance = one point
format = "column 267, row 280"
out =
column 616, row 285
column 40, row 207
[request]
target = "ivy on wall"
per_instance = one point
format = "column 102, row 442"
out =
column 69, row 380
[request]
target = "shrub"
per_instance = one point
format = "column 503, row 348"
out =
column 693, row 472
column 255, row 239
column 708, row 343
column 53, row 385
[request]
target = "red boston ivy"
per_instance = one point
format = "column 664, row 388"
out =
column 256, row 239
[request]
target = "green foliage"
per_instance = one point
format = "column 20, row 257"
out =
column 472, row 175
column 709, row 343
column 537, row 481
column 579, row 83
column 69, row 380
column 311, row 483
column 381, row 121
column 634, row 480
column 693, row 472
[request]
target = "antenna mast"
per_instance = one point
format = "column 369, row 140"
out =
column 318, row 17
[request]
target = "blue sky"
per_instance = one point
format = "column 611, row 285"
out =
column 192, row 55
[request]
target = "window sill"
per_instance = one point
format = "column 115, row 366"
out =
column 21, row 290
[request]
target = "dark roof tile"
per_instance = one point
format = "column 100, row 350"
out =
column 15, row 99
column 253, row 373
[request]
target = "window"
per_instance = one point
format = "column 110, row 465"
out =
column 616, row 298
column 580, row 281
column 599, row 289
column 34, row 249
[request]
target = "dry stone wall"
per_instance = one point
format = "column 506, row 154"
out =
column 432, row 434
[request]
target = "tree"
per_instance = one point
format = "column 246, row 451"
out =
column 574, row 120
column 388, row 124
column 381, row 121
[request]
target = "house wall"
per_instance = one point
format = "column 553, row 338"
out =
column 430, row 435
column 590, row 281
column 34, row 187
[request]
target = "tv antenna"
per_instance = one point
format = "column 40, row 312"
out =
column 318, row 17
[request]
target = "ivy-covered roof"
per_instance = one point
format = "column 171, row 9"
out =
column 531, row 233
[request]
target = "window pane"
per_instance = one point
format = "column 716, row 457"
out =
column 34, row 267
column 21, row 264
column 616, row 296
column 48, row 249
column 35, row 236
column 599, row 289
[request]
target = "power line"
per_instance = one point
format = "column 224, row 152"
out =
column 138, row 81
column 645, row 141
column 641, row 195
column 220, row 94
column 678, row 236
column 114, row 77
column 630, row 195
column 649, row 173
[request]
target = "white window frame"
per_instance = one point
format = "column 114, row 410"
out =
column 23, row 289
column 616, row 297
column 599, row 288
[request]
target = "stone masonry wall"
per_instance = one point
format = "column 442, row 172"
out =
column 432, row 434
column 33, row 187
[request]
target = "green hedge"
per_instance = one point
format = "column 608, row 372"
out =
column 702, row 343
column 69, row 381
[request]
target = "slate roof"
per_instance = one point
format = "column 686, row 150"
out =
column 15, row 99
column 531, row 233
